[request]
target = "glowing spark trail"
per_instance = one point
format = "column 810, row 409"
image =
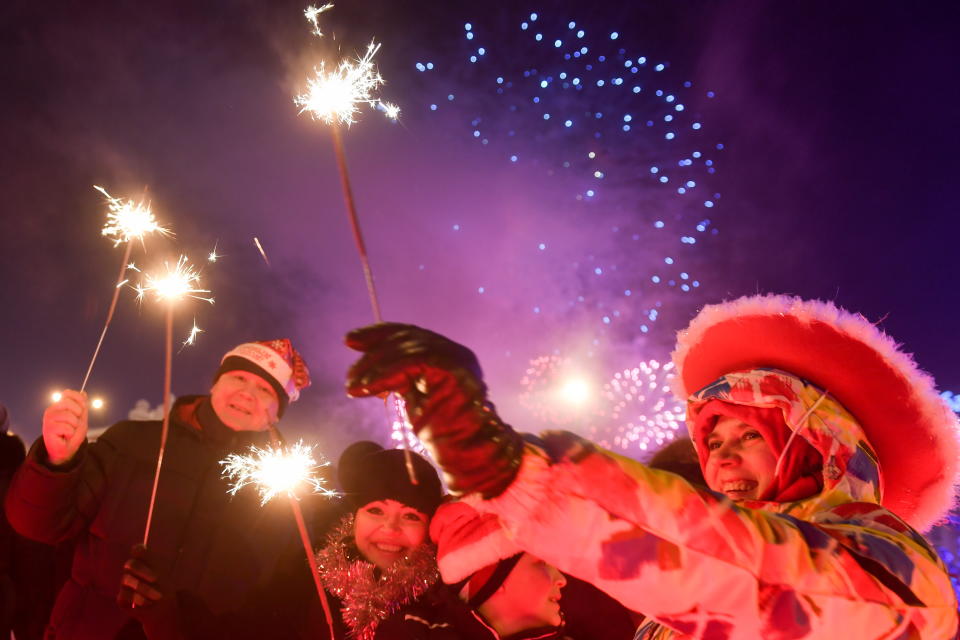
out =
column 214, row 256
column 389, row 109
column 275, row 471
column 263, row 253
column 311, row 13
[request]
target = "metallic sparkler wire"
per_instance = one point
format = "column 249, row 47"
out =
column 126, row 221
column 180, row 281
column 278, row 471
column 333, row 98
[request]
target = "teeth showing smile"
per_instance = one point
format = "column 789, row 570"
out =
column 739, row 485
column 388, row 548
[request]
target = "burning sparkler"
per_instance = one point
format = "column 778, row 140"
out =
column 176, row 283
column 126, row 221
column 333, row 98
column 275, row 471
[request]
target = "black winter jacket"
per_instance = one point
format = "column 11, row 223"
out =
column 223, row 550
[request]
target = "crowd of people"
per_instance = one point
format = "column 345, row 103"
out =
column 817, row 453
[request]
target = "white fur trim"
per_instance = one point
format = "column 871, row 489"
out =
column 936, row 421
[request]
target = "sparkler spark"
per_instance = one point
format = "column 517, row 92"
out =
column 311, row 13
column 194, row 332
column 180, row 281
column 275, row 471
column 214, row 256
column 127, row 220
column 389, row 109
column 333, row 96
column 263, row 253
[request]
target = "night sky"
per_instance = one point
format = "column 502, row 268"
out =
column 830, row 128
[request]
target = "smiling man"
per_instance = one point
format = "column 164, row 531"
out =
column 206, row 549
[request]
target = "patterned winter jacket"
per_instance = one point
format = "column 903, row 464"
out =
column 837, row 565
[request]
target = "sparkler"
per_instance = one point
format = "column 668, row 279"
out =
column 176, row 283
column 275, row 471
column 311, row 14
column 333, row 97
column 126, row 221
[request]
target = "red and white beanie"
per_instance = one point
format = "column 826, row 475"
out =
column 474, row 553
column 276, row 361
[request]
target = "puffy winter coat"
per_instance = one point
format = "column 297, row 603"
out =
column 221, row 549
column 837, row 565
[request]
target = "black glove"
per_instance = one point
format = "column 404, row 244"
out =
column 140, row 591
column 442, row 385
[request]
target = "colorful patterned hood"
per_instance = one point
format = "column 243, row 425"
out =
column 851, row 472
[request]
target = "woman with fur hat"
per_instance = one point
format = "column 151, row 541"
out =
column 378, row 559
column 824, row 447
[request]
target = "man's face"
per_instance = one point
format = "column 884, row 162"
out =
column 740, row 463
column 529, row 598
column 244, row 401
column 386, row 531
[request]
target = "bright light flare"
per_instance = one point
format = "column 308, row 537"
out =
column 333, row 96
column 56, row 396
column 177, row 282
column 275, row 471
column 311, row 13
column 97, row 403
column 128, row 220
column 576, row 391
column 214, row 256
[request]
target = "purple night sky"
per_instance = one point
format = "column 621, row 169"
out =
column 836, row 172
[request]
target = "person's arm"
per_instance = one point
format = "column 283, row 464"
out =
column 56, row 491
column 687, row 558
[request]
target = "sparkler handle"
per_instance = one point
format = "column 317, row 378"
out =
column 355, row 222
column 113, row 306
column 168, row 366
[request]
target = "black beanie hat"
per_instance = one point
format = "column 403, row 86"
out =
column 368, row 472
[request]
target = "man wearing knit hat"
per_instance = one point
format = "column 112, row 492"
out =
column 207, row 550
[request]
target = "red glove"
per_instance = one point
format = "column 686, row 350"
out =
column 446, row 400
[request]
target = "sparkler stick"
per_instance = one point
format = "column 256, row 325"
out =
column 333, row 97
column 126, row 221
column 180, row 281
column 275, row 472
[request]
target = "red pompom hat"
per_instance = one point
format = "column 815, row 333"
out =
column 276, row 361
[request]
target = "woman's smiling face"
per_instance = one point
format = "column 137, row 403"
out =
column 386, row 531
column 740, row 463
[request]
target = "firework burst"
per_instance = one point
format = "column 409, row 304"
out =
column 275, row 471
column 642, row 411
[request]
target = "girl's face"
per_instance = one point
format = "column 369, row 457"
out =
column 529, row 598
column 386, row 531
column 740, row 463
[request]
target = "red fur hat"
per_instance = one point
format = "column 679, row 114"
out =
column 914, row 433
